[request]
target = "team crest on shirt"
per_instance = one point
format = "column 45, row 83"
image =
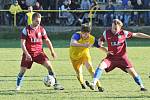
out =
column 39, row 34
column 119, row 36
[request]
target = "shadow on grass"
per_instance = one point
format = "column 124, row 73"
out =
column 49, row 91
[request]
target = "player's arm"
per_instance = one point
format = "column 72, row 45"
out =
column 76, row 44
column 99, row 44
column 141, row 35
column 48, row 43
column 25, row 51
column 50, row 46
column 23, row 46
column 74, row 41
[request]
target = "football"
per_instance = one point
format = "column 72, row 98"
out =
column 49, row 80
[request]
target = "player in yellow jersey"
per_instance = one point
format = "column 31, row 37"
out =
column 80, row 55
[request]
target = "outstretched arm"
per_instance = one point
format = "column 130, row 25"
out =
column 141, row 35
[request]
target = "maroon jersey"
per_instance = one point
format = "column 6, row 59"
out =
column 116, row 42
column 34, row 39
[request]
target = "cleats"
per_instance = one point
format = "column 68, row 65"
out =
column 58, row 87
column 100, row 89
column 18, row 88
column 143, row 89
column 90, row 85
column 83, row 86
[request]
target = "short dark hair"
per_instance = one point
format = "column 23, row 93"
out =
column 35, row 15
column 85, row 28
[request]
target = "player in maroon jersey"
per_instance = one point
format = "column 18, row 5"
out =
column 32, row 38
column 117, row 55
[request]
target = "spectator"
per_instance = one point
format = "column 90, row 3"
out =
column 138, row 15
column 127, row 15
column 37, row 6
column 28, row 16
column 108, row 16
column 69, row 16
column 74, row 5
column 45, row 3
column 15, row 9
column 30, row 2
column 125, row 2
column 1, row 13
column 146, row 14
column 23, row 5
column 7, row 15
column 53, row 14
column 119, row 15
column 85, row 5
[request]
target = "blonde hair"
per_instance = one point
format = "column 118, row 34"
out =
column 118, row 22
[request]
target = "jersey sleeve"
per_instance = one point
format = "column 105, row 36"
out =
column 128, row 34
column 44, row 34
column 23, row 34
column 96, row 43
column 76, row 36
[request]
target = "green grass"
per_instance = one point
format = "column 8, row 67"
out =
column 118, row 85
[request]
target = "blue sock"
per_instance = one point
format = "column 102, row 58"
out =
column 98, row 73
column 138, row 80
column 19, row 78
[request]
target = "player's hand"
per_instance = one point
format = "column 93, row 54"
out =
column 28, row 57
column 53, row 55
column 87, row 44
column 110, row 53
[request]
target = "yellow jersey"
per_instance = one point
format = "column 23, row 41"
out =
column 15, row 9
column 79, row 52
column 29, row 17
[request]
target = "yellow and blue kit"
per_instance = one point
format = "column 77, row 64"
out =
column 79, row 55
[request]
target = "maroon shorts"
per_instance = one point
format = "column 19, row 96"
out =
column 40, row 59
column 120, row 62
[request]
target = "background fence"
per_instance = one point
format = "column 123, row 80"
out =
column 77, row 17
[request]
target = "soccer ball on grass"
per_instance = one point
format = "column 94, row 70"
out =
column 49, row 80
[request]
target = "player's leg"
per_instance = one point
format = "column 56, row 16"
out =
column 24, row 66
column 103, row 65
column 77, row 65
column 136, row 78
column 126, row 66
column 99, row 71
column 91, row 70
column 48, row 65
column 20, row 77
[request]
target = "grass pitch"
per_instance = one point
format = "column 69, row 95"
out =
column 117, row 84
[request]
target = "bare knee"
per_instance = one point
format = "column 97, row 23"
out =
column 132, row 72
column 102, row 65
column 23, row 69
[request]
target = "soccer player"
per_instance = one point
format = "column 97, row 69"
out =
column 79, row 53
column 32, row 38
column 117, row 55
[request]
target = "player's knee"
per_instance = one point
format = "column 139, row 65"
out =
column 79, row 73
column 23, row 70
column 103, row 65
